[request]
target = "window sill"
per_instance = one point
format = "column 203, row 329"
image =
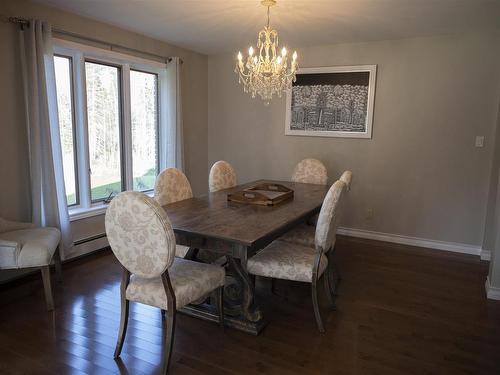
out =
column 80, row 213
column 83, row 213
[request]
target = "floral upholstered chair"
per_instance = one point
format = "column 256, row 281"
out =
column 222, row 176
column 23, row 245
column 305, row 263
column 171, row 186
column 304, row 234
column 142, row 239
column 310, row 171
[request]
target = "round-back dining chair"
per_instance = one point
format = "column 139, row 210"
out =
column 171, row 186
column 299, row 262
column 310, row 171
column 142, row 239
column 222, row 176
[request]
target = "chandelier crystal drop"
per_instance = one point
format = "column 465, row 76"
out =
column 266, row 72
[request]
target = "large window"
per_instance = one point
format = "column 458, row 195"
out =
column 110, row 123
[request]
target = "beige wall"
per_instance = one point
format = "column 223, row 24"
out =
column 420, row 174
column 14, row 191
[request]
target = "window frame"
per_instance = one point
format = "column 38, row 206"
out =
column 158, row 117
column 73, row 126
column 79, row 54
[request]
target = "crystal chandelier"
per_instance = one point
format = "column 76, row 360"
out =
column 267, row 73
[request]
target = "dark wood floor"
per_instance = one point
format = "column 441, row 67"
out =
column 401, row 310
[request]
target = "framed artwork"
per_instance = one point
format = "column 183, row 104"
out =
column 332, row 102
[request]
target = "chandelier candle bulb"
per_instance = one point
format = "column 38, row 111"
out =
column 265, row 73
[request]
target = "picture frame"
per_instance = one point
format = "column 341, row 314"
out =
column 335, row 101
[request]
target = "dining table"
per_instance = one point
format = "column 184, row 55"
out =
column 233, row 232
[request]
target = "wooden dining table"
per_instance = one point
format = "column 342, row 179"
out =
column 235, row 232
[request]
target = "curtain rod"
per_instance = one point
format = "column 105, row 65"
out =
column 23, row 22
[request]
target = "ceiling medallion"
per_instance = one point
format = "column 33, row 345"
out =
column 267, row 73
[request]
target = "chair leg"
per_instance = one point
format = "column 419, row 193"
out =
column 124, row 313
column 57, row 263
column 220, row 306
column 169, row 338
column 317, row 314
column 125, row 306
column 273, row 286
column 47, row 287
column 333, row 273
column 328, row 290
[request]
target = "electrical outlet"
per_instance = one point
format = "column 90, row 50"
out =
column 479, row 140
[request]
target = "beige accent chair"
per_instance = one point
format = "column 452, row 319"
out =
column 142, row 239
column 24, row 246
column 305, row 263
column 310, row 171
column 222, row 176
column 171, row 186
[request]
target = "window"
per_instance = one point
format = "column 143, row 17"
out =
column 103, row 123
column 110, row 121
column 144, row 109
column 66, row 126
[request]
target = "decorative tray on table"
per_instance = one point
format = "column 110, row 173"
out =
column 265, row 194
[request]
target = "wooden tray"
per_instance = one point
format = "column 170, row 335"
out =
column 265, row 194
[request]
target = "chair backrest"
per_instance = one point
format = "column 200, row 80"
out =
column 222, row 176
column 172, row 185
column 310, row 171
column 140, row 234
column 346, row 178
column 326, row 227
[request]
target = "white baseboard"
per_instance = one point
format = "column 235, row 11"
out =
column 412, row 241
column 491, row 292
column 485, row 254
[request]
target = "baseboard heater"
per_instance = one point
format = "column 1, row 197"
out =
column 89, row 239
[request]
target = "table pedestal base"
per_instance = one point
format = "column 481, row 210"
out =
column 206, row 312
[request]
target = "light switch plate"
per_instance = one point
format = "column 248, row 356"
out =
column 479, row 140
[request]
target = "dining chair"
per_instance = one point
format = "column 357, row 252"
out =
column 310, row 171
column 347, row 178
column 142, row 239
column 222, row 176
column 25, row 246
column 304, row 233
column 171, row 186
column 297, row 262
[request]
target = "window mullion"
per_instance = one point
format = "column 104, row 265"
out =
column 127, row 129
column 82, row 130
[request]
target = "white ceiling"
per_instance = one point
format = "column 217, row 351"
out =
column 214, row 26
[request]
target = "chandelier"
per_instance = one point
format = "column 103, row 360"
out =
column 268, row 73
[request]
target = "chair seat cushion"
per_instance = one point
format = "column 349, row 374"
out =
column 36, row 247
column 190, row 281
column 302, row 234
column 286, row 260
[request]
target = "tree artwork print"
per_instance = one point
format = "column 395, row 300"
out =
column 332, row 102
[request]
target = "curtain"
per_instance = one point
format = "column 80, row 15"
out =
column 174, row 136
column 48, row 195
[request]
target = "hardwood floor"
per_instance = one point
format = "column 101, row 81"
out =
column 400, row 310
